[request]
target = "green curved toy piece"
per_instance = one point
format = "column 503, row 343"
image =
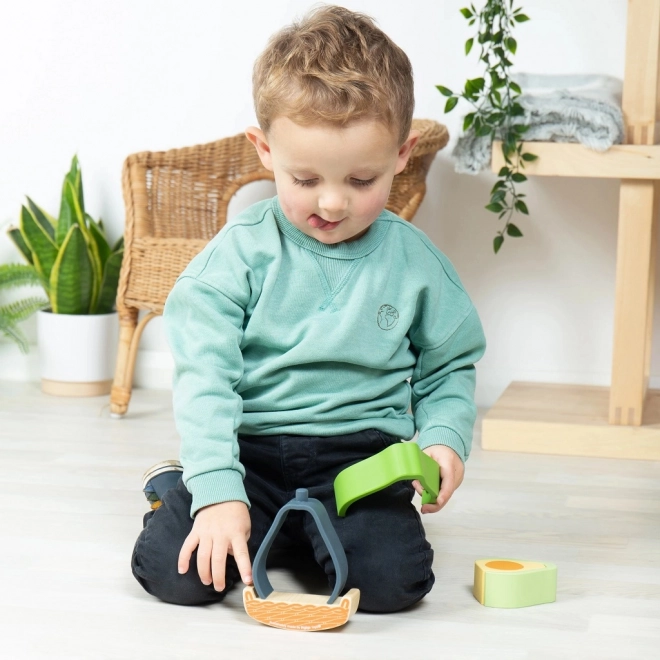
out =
column 404, row 460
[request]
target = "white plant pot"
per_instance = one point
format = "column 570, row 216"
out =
column 77, row 352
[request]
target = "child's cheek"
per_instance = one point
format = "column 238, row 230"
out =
column 372, row 204
column 289, row 206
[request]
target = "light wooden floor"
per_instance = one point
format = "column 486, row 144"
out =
column 71, row 507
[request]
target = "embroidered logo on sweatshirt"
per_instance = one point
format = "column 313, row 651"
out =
column 388, row 317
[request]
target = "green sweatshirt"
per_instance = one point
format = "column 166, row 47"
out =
column 273, row 332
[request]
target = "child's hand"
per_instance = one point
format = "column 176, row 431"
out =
column 218, row 530
column 451, row 473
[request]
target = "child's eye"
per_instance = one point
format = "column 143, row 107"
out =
column 303, row 182
column 363, row 182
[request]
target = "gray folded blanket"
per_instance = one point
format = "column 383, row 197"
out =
column 558, row 108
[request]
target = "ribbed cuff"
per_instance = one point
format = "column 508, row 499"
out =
column 442, row 435
column 215, row 487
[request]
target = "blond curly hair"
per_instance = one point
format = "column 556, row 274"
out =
column 334, row 66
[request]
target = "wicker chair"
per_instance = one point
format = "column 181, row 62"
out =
column 177, row 200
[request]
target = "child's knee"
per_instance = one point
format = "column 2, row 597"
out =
column 393, row 594
column 155, row 568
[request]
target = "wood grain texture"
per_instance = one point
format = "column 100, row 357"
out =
column 551, row 418
column 71, row 508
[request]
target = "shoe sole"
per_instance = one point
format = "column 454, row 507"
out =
column 160, row 468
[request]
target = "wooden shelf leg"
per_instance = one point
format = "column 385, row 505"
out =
column 638, row 209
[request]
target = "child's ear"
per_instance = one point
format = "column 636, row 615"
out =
column 258, row 139
column 405, row 150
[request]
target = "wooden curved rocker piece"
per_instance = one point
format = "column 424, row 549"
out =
column 301, row 611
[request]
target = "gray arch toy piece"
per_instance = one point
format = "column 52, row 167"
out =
column 302, row 502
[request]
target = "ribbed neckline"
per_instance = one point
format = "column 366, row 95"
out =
column 351, row 250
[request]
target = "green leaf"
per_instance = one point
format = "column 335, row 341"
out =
column 512, row 230
column 19, row 242
column 498, row 196
column 108, row 294
column 522, row 207
column 529, row 157
column 444, row 90
column 99, row 238
column 80, row 218
column 44, row 250
column 466, row 12
column 468, row 45
column 20, row 310
column 11, row 332
column 467, row 122
column 504, row 171
column 67, row 214
column 495, row 208
column 18, row 275
column 521, row 18
column 515, row 87
column 45, row 220
column 484, row 130
column 118, row 245
column 497, row 243
column 77, row 214
column 518, row 177
column 511, row 44
column 451, row 104
column 498, row 186
column 71, row 278
column 75, row 178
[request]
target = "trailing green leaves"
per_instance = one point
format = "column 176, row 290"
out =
column 497, row 113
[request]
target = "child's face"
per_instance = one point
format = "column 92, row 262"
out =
column 332, row 182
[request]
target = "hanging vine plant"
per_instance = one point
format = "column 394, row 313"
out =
column 497, row 112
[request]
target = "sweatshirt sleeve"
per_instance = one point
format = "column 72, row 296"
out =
column 204, row 316
column 448, row 340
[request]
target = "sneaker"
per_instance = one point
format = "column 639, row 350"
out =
column 158, row 479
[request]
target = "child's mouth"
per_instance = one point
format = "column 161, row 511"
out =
column 319, row 223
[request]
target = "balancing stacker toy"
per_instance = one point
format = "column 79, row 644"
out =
column 311, row 612
column 301, row 611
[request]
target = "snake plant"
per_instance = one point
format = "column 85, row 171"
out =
column 12, row 313
column 70, row 255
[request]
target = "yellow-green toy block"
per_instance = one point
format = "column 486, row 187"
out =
column 514, row 582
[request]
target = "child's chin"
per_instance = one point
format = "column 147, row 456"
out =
column 328, row 238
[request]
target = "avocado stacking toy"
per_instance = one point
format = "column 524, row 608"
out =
column 514, row 582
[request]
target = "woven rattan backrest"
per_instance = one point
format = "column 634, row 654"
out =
column 177, row 200
column 184, row 193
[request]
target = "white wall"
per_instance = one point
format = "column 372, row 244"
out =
column 107, row 79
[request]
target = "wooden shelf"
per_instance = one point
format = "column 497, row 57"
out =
column 571, row 420
column 622, row 421
column 622, row 161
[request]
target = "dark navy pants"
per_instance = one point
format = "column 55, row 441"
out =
column 389, row 558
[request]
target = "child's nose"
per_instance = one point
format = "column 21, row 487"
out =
column 333, row 205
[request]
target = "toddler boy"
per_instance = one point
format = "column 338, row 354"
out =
column 305, row 330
